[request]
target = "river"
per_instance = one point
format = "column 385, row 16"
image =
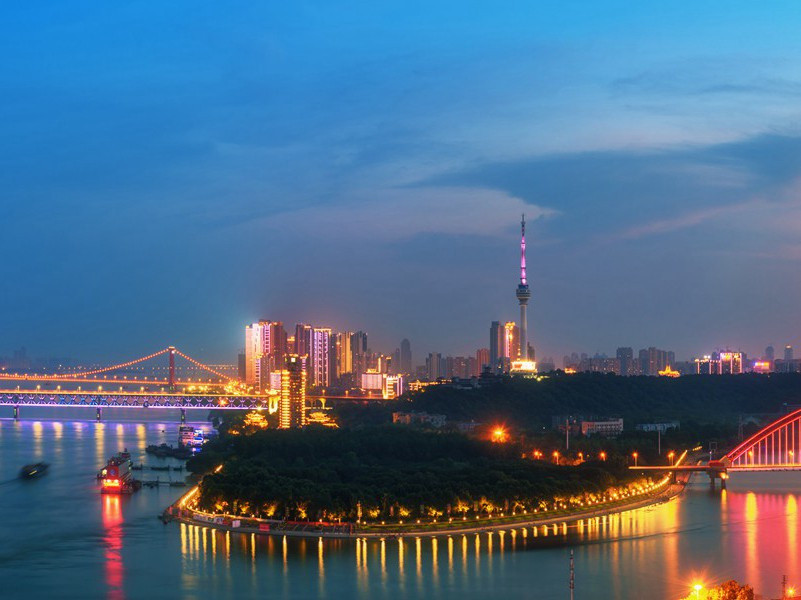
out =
column 62, row 539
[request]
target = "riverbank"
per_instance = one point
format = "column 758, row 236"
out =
column 664, row 491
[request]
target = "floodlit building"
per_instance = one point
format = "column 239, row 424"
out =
column 608, row 428
column 265, row 350
column 321, row 357
column 292, row 409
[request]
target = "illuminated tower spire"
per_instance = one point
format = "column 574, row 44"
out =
column 523, row 293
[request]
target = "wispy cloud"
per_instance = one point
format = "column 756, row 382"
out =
column 394, row 214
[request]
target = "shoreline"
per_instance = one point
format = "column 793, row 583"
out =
column 177, row 512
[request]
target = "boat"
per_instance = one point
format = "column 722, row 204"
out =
column 165, row 468
column 117, row 477
column 33, row 471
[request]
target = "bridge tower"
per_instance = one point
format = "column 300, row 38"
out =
column 171, row 379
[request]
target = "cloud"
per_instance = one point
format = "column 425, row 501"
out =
column 396, row 214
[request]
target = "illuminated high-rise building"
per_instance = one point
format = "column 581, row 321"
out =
column 265, row 350
column 321, row 357
column 511, row 341
column 292, row 409
column 344, row 352
column 523, row 294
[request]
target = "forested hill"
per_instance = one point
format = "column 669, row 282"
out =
column 528, row 403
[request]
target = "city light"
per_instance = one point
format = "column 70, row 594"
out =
column 499, row 435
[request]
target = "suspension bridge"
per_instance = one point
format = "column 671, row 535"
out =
column 775, row 447
column 218, row 390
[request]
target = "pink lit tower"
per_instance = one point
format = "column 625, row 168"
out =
column 523, row 294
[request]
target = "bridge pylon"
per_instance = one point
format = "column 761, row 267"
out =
column 171, row 378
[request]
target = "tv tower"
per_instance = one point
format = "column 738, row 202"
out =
column 523, row 293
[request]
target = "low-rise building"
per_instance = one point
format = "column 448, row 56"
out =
column 609, row 428
column 419, row 418
column 660, row 427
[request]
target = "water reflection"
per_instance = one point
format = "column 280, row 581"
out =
column 112, row 524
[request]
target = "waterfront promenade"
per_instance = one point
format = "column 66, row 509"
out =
column 662, row 491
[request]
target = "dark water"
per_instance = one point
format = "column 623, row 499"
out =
column 59, row 538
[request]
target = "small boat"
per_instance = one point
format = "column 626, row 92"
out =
column 177, row 484
column 138, row 468
column 33, row 471
column 160, row 468
column 178, row 468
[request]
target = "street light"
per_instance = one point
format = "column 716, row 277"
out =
column 671, row 454
column 603, row 456
column 698, row 587
column 635, row 455
column 556, row 456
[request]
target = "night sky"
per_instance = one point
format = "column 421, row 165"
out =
column 170, row 171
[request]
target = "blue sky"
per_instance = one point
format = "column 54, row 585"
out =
column 171, row 171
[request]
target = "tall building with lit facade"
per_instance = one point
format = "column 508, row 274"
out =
column 265, row 351
column 523, row 294
column 321, row 357
column 344, row 356
column 292, row 409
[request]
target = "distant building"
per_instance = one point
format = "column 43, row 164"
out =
column 609, row 428
column 625, row 358
column 661, row 427
column 482, row 360
column 435, row 366
column 405, row 366
column 496, row 346
column 292, row 408
column 654, row 360
column 721, row 363
column 788, row 353
column 419, row 418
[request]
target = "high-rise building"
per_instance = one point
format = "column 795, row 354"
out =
column 241, row 364
column 626, row 358
column 405, row 365
column 303, row 334
column 788, row 353
column 496, row 346
column 292, row 410
column 511, row 341
column 435, row 366
column 654, row 360
column 344, row 353
column 358, row 346
column 482, row 360
column 322, row 355
column 265, row 350
column 523, row 294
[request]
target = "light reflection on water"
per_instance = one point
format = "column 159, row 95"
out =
column 113, row 547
